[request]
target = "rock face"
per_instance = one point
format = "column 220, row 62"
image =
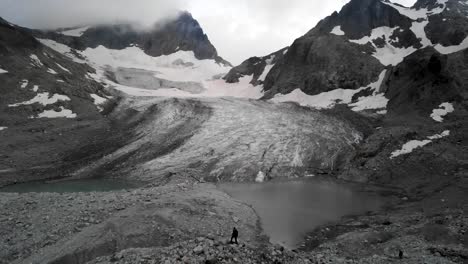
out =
column 181, row 33
column 351, row 48
column 257, row 67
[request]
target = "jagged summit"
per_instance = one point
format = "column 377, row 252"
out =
column 164, row 38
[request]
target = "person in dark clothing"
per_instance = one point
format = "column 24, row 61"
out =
column 234, row 235
column 400, row 254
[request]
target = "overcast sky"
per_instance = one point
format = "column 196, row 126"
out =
column 238, row 28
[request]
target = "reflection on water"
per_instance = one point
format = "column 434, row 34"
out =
column 84, row 185
column 290, row 209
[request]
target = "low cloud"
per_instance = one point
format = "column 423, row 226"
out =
column 46, row 14
column 238, row 28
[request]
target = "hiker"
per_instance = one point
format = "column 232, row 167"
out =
column 234, row 235
column 400, row 254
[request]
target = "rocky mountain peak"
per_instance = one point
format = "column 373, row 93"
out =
column 182, row 33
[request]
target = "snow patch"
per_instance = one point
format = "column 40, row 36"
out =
column 44, row 99
column 98, row 101
column 265, row 72
column 61, row 48
column 337, row 31
column 36, row 61
column 452, row 49
column 78, row 32
column 63, row 113
column 418, row 29
column 414, row 144
column 344, row 96
column 3, row 128
column 260, row 177
column 51, row 71
column 389, row 54
column 63, row 68
column 35, row 88
column 443, row 110
column 416, row 14
column 2, row 71
column 24, row 83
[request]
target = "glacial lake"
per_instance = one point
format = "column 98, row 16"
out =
column 288, row 210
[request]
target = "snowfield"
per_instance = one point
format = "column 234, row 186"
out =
column 181, row 66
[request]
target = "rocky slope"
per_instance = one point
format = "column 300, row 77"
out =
column 49, row 105
column 182, row 33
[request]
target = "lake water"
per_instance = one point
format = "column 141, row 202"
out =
column 84, row 185
column 288, row 210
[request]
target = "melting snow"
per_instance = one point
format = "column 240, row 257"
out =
column 36, row 61
column 344, row 96
column 260, row 177
column 443, row 110
column 416, row 14
column 98, row 101
column 24, row 83
column 63, row 68
column 134, row 57
column 60, row 48
column 44, row 99
column 265, row 72
column 66, row 113
column 418, row 30
column 2, row 71
column 389, row 54
column 337, row 31
column 51, row 71
column 78, row 32
column 414, row 144
column 452, row 49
